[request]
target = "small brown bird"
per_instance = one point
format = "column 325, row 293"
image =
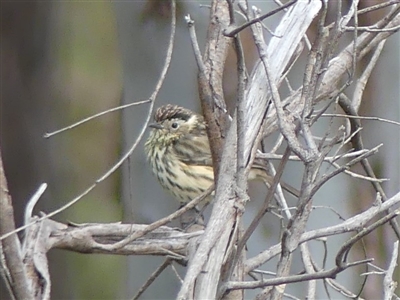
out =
column 179, row 154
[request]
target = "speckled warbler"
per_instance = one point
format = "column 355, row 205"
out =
column 179, row 154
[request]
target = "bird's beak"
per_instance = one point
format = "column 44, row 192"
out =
column 156, row 126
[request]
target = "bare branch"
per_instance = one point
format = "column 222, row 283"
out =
column 32, row 202
column 50, row 134
column 231, row 32
column 210, row 80
column 389, row 285
column 344, row 250
column 161, row 222
column 290, row 279
column 358, row 145
column 362, row 82
column 11, row 247
column 354, row 223
column 152, row 277
column 377, row 6
column 362, row 118
column 280, row 50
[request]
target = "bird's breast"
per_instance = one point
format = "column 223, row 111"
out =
column 184, row 181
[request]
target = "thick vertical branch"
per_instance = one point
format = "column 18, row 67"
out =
column 11, row 245
column 204, row 271
column 234, row 268
column 203, row 275
column 210, row 80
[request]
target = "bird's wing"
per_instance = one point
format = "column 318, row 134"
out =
column 193, row 150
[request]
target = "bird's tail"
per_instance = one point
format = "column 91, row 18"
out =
column 258, row 172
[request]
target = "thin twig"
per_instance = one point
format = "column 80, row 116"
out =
column 377, row 6
column 341, row 169
column 233, row 32
column 176, row 273
column 359, row 176
column 195, row 44
column 362, row 118
column 372, row 28
column 32, row 202
column 343, row 252
column 362, row 81
column 162, row 221
column 290, row 279
column 50, row 134
column 357, row 143
column 253, row 225
column 327, row 159
column 152, row 277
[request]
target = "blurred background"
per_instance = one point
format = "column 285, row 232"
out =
column 63, row 61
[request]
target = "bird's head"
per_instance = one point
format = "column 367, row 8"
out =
column 172, row 122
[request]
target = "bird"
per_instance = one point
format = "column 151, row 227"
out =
column 179, row 154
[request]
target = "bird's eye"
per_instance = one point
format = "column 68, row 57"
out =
column 174, row 125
